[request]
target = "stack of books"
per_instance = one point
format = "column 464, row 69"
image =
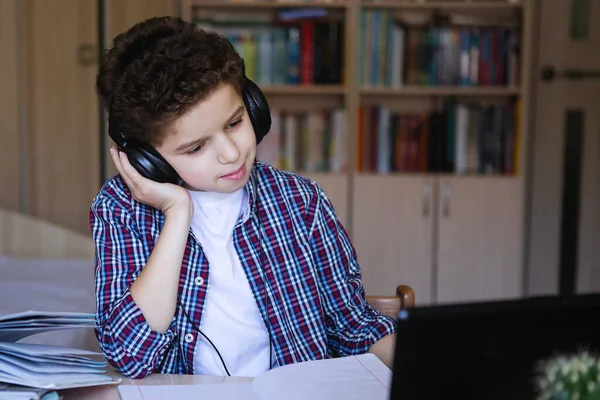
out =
column 31, row 371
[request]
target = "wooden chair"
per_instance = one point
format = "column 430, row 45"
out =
column 390, row 305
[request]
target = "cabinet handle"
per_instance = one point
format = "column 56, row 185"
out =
column 426, row 199
column 446, row 193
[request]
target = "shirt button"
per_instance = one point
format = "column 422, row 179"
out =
column 199, row 280
column 189, row 338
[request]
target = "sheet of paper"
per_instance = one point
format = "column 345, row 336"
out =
column 58, row 381
column 362, row 377
column 44, row 324
column 45, row 350
column 45, row 321
column 7, row 361
column 14, row 327
column 58, row 360
column 16, row 334
column 46, row 314
column 227, row 390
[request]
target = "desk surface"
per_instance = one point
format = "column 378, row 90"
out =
column 110, row 392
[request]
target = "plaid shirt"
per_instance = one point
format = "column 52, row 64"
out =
column 293, row 250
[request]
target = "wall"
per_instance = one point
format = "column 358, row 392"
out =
column 9, row 100
column 50, row 139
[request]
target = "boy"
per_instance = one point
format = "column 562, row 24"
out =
column 284, row 284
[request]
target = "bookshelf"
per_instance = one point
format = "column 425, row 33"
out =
column 453, row 233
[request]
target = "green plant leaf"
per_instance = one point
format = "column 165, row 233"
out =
column 595, row 395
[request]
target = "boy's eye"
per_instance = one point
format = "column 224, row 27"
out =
column 195, row 149
column 234, row 124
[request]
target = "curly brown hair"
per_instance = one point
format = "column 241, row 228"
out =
column 158, row 70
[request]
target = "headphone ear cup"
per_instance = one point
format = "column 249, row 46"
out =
column 144, row 158
column 258, row 109
column 150, row 164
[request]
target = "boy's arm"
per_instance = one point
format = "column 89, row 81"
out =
column 132, row 331
column 384, row 349
column 353, row 327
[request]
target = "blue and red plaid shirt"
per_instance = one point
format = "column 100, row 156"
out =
column 315, row 306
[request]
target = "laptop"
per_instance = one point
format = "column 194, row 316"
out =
column 488, row 350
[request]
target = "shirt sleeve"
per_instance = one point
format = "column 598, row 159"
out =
column 352, row 325
column 126, row 339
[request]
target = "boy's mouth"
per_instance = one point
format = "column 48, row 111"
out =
column 235, row 175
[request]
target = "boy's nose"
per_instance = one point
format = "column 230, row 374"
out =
column 228, row 151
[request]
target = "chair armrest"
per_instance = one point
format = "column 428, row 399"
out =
column 407, row 295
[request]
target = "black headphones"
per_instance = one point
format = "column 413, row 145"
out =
column 150, row 164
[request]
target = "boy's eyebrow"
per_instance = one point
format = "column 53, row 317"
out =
column 188, row 144
column 235, row 113
column 193, row 142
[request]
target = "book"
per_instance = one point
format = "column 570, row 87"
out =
column 362, row 377
column 28, row 366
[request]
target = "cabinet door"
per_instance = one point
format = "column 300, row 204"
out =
column 392, row 232
column 479, row 254
column 62, row 156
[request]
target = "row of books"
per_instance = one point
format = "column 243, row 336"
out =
column 395, row 54
column 312, row 141
column 307, row 51
column 300, row 49
column 459, row 138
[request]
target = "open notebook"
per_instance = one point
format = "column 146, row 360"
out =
column 362, row 377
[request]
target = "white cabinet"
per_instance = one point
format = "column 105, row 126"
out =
column 479, row 246
column 452, row 239
column 393, row 221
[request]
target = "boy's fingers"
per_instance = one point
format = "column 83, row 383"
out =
column 114, row 154
column 117, row 159
column 136, row 179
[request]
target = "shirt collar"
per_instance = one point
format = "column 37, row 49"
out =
column 252, row 190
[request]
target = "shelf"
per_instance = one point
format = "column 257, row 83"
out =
column 322, row 175
column 303, row 89
column 441, row 91
column 268, row 4
column 442, row 5
column 433, row 175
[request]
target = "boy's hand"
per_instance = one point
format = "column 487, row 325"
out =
column 166, row 197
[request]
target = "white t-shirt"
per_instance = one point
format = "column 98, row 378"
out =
column 230, row 318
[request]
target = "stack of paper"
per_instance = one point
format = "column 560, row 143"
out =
column 41, row 366
column 17, row 326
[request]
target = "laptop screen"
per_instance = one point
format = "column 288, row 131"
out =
column 489, row 350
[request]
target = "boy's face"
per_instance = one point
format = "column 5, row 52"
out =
column 212, row 147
